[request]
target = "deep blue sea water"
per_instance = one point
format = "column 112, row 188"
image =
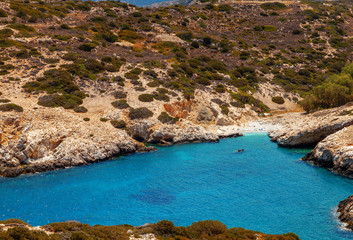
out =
column 142, row 3
column 264, row 188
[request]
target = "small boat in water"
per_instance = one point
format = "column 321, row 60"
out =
column 240, row 150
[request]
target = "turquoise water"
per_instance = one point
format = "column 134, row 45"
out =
column 265, row 188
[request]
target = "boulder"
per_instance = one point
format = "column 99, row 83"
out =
column 205, row 115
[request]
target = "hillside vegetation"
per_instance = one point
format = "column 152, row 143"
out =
column 66, row 47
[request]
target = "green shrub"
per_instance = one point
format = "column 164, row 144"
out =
column 80, row 109
column 146, row 97
column 165, row 118
column 166, row 47
column 136, row 14
column 297, row 31
column 98, row 19
column 87, row 47
column 22, row 27
column 64, row 26
column 4, row 101
column 187, row 36
column 103, row 119
column 207, row 41
column 6, row 32
column 86, row 119
column 131, row 76
column 23, row 54
column 246, row 98
column 220, row 88
column 140, row 113
column 237, row 104
column 10, row 107
column 130, row 36
column 195, row 44
column 270, row 28
column 150, row 73
column 120, row 94
column 5, row 43
column 120, row 104
column 278, row 99
column 335, row 91
column 83, row 7
column 224, row 109
column 20, row 233
column 118, row 123
column 57, row 81
column 14, row 220
column 94, row 66
column 164, row 227
column 224, row 8
column 203, row 81
column 3, row 13
column 208, row 227
column 259, row 28
column 66, row 101
column 273, row 6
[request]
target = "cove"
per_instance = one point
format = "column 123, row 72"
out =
column 265, row 188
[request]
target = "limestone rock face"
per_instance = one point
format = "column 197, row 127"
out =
column 180, row 134
column 223, row 122
column 345, row 210
column 152, row 132
column 30, row 146
column 312, row 128
column 335, row 152
column 141, row 130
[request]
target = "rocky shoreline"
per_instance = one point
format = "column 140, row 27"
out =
column 29, row 146
column 345, row 210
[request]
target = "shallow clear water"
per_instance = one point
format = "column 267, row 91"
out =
column 265, row 188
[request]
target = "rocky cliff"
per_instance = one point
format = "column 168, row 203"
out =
column 335, row 152
column 345, row 210
column 44, row 139
column 309, row 129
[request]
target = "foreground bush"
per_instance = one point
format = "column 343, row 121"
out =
column 73, row 230
column 208, row 227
